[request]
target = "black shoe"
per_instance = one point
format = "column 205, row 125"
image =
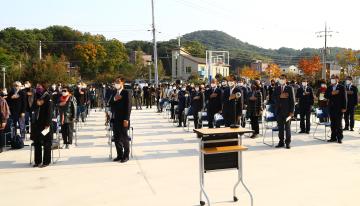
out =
column 332, row 140
column 280, row 145
column 254, row 136
column 301, row 132
column 1, row 149
column 125, row 159
column 117, row 159
column 179, row 126
column 288, row 146
column 346, row 128
column 352, row 129
column 339, row 141
column 36, row 165
column 44, row 165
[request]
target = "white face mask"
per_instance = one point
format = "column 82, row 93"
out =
column 304, row 84
column 348, row 82
column 213, row 85
column 65, row 93
column 231, row 84
column 323, row 85
column 174, row 88
column 117, row 86
column 197, row 89
column 183, row 89
column 282, row 81
column 333, row 81
column 240, row 84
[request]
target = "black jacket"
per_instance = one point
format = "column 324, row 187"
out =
column 121, row 109
column 352, row 96
column 305, row 101
column 18, row 105
column 196, row 101
column 254, row 106
column 229, row 105
column 42, row 117
column 337, row 102
column 284, row 101
column 214, row 104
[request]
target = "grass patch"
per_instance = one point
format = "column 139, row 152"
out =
column 357, row 113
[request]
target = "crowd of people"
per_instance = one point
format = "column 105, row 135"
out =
column 234, row 101
column 41, row 110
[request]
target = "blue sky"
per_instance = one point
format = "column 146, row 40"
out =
column 269, row 24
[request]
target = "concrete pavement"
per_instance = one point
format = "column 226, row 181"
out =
column 164, row 171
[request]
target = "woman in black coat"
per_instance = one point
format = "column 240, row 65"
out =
column 255, row 106
column 41, row 121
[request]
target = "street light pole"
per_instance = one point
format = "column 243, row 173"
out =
column 155, row 46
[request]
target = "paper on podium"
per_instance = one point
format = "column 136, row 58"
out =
column 45, row 131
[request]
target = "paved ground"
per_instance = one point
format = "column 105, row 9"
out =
column 164, row 171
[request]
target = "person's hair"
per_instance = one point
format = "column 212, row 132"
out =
column 43, row 84
column 283, row 75
column 335, row 76
column 120, row 79
column 16, row 83
column 349, row 78
column 231, row 77
column 66, row 87
column 322, row 81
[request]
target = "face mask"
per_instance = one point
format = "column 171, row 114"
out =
column 231, row 84
column 27, row 86
column 223, row 83
column 213, row 85
column 174, row 88
column 323, row 85
column 348, row 82
column 65, row 93
column 183, row 89
column 333, row 81
column 197, row 89
column 53, row 87
column 282, row 81
column 192, row 86
column 304, row 84
column 240, row 84
column 117, row 86
column 39, row 90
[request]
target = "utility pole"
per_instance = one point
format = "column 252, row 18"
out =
column 4, row 79
column 326, row 33
column 40, row 51
column 179, row 41
column 155, row 46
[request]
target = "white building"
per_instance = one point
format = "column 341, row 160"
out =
column 291, row 70
column 184, row 65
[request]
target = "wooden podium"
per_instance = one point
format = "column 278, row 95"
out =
column 221, row 149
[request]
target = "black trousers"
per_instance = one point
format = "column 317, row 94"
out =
column 349, row 118
column 181, row 117
column 67, row 131
column 172, row 109
column 336, row 126
column 284, row 126
column 39, row 157
column 121, row 139
column 305, row 121
column 210, row 117
column 254, row 121
column 196, row 119
column 148, row 101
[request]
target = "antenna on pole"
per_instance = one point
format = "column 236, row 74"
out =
column 326, row 33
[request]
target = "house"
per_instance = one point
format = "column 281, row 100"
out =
column 145, row 57
column 259, row 66
column 184, row 65
column 291, row 70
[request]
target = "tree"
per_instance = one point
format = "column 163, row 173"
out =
column 91, row 55
column 195, row 48
column 273, row 71
column 311, row 66
column 349, row 61
column 248, row 72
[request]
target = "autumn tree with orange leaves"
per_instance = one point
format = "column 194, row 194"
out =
column 311, row 66
column 248, row 72
column 273, row 71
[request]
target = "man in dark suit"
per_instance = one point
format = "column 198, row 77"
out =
column 120, row 108
column 336, row 95
column 232, row 105
column 196, row 102
column 305, row 96
column 214, row 96
column 284, row 99
column 352, row 96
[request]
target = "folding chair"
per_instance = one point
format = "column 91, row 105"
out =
column 131, row 138
column 321, row 114
column 202, row 121
column 188, row 118
column 55, row 144
column 269, row 118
